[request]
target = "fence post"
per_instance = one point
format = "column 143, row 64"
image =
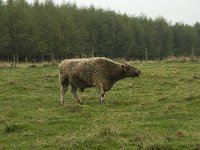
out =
column 146, row 58
column 14, row 60
column 52, row 58
column 92, row 53
column 192, row 53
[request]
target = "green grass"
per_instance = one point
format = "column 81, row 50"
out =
column 159, row 110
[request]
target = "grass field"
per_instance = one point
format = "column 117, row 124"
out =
column 159, row 110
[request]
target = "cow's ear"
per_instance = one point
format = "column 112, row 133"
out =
column 123, row 67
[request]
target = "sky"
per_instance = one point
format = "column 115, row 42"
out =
column 185, row 11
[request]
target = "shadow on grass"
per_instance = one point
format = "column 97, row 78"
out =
column 13, row 127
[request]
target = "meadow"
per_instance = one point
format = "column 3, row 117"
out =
column 158, row 111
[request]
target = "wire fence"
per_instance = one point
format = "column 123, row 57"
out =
column 143, row 54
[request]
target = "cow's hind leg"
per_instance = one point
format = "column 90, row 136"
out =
column 74, row 92
column 63, row 88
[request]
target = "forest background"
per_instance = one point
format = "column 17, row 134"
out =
column 45, row 31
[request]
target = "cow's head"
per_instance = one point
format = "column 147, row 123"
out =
column 130, row 71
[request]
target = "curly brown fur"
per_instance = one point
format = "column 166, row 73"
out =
column 97, row 72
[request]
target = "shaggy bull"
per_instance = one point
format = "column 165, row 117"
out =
column 98, row 72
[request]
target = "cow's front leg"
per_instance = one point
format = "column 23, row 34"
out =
column 100, row 90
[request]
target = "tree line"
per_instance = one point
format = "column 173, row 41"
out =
column 40, row 31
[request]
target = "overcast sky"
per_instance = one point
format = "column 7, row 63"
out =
column 186, row 11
